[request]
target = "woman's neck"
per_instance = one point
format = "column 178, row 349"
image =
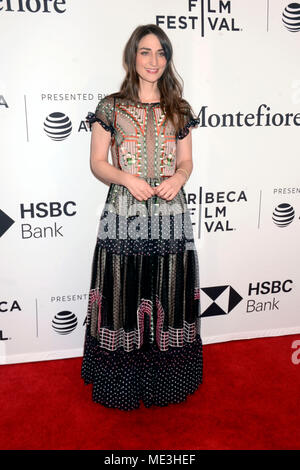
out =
column 148, row 92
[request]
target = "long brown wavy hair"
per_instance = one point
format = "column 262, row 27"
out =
column 170, row 83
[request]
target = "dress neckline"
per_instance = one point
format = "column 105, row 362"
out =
column 140, row 103
column 153, row 102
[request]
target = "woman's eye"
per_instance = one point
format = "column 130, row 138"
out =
column 161, row 54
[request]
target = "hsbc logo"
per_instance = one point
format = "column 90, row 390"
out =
column 5, row 222
column 38, row 211
column 218, row 300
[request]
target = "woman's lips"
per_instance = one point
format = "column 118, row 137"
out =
column 152, row 70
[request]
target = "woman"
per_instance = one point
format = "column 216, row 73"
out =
column 143, row 324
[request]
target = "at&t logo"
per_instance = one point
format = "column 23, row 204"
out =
column 291, row 17
column 58, row 126
column 64, row 322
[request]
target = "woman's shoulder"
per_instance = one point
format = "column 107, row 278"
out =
column 107, row 100
column 186, row 108
column 104, row 113
column 189, row 118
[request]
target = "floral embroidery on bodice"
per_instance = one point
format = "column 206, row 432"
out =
column 143, row 140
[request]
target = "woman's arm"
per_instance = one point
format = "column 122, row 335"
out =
column 184, row 158
column 107, row 173
column 101, row 168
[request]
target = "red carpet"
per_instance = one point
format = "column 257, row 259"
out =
column 249, row 400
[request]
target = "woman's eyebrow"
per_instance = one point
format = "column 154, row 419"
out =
column 149, row 48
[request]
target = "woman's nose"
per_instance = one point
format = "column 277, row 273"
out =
column 153, row 59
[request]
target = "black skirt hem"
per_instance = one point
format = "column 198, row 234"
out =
column 122, row 380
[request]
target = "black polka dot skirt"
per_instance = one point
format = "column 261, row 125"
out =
column 142, row 340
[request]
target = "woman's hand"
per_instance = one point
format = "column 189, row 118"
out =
column 138, row 187
column 170, row 187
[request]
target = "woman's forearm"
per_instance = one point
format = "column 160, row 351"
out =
column 108, row 173
column 187, row 166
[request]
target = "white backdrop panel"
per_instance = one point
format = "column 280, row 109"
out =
column 235, row 57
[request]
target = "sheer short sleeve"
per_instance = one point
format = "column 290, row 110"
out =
column 189, row 121
column 104, row 114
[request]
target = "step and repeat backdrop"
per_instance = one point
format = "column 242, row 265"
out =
column 239, row 62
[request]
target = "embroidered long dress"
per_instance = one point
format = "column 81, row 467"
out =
column 142, row 339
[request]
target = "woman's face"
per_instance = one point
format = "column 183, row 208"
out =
column 150, row 59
